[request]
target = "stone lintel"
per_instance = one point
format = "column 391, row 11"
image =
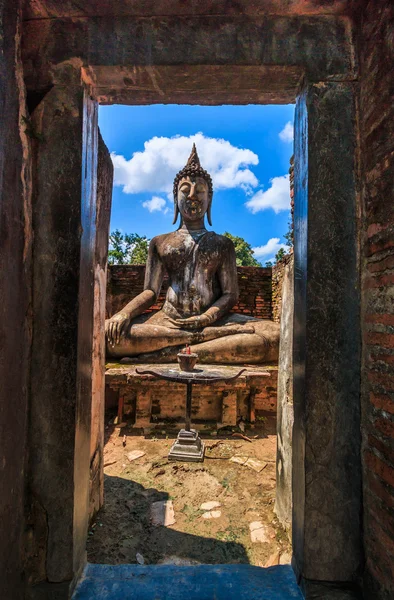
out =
column 198, row 84
column 319, row 46
column 50, row 9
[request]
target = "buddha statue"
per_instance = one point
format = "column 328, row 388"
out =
column 203, row 288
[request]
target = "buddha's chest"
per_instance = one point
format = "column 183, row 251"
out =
column 191, row 255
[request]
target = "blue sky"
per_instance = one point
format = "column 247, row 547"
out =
column 245, row 148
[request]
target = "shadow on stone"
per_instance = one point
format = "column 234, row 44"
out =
column 321, row 590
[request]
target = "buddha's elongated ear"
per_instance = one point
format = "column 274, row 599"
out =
column 209, row 213
column 176, row 213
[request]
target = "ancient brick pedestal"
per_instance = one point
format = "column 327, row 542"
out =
column 148, row 402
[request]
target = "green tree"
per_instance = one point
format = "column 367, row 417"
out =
column 289, row 236
column 280, row 254
column 139, row 252
column 243, row 251
column 127, row 249
column 118, row 248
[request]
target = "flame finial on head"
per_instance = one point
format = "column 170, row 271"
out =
column 193, row 160
column 192, row 168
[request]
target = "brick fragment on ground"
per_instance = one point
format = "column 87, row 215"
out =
column 135, row 454
column 212, row 514
column 285, row 559
column 252, row 463
column 210, row 505
column 240, row 460
column 260, row 533
column 256, row 465
column 162, row 513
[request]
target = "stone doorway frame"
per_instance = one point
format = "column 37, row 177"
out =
column 326, row 440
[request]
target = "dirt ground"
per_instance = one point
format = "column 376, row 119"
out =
column 123, row 531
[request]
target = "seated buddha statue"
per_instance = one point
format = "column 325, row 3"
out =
column 203, row 288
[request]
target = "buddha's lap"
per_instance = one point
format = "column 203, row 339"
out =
column 148, row 322
column 161, row 318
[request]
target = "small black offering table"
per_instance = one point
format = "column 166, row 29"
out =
column 188, row 446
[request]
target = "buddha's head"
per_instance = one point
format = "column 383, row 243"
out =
column 193, row 191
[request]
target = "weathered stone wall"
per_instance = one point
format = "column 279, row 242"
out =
column 64, row 259
column 104, row 196
column 278, row 273
column 15, row 300
column 327, row 535
column 57, row 120
column 285, row 409
column 126, row 281
column 208, row 58
column 376, row 26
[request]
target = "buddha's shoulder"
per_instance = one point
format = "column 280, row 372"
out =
column 221, row 240
column 176, row 237
column 158, row 240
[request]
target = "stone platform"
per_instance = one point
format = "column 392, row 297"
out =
column 148, row 402
column 201, row 582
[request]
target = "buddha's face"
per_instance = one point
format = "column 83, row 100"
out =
column 193, row 198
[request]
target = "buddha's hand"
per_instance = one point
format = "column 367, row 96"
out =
column 198, row 322
column 115, row 327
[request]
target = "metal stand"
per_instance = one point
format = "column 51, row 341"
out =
column 188, row 446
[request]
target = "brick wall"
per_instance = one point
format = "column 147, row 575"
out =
column 127, row 281
column 376, row 25
column 278, row 271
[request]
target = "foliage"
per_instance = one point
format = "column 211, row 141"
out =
column 139, row 253
column 243, row 251
column 127, row 249
column 280, row 254
column 289, row 236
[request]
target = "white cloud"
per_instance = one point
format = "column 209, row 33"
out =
column 153, row 169
column 276, row 197
column 287, row 133
column 156, row 204
column 268, row 250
